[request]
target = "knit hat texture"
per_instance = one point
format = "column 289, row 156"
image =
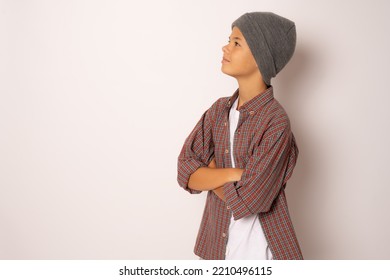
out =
column 271, row 39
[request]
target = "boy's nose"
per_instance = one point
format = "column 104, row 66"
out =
column 225, row 48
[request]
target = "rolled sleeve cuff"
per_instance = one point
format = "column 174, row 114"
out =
column 186, row 168
column 235, row 202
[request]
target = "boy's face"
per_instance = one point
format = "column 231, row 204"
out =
column 238, row 60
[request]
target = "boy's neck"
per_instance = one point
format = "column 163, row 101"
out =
column 249, row 88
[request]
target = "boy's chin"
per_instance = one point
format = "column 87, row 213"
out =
column 227, row 72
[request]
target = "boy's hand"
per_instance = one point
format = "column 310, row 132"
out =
column 212, row 164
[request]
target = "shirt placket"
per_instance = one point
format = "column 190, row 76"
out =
column 227, row 163
column 241, row 119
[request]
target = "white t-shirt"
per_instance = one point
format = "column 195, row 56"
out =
column 246, row 240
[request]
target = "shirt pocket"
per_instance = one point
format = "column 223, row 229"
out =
column 241, row 153
column 247, row 139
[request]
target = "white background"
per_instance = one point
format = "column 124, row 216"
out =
column 97, row 98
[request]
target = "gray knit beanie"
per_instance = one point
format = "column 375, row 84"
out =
column 271, row 39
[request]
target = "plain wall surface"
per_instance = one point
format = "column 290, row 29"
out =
column 97, row 98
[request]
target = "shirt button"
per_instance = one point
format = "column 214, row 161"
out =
column 227, row 207
column 225, row 123
column 226, row 151
column 224, row 235
column 251, row 112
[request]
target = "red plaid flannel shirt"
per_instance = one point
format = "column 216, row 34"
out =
column 265, row 148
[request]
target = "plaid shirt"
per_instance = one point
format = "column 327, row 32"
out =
column 265, row 148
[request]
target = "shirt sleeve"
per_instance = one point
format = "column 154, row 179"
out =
column 266, row 172
column 197, row 151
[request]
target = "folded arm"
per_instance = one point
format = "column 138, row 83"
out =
column 212, row 178
column 205, row 178
column 197, row 170
column 264, row 176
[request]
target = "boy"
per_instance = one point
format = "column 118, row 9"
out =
column 242, row 150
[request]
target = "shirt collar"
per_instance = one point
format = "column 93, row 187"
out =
column 256, row 103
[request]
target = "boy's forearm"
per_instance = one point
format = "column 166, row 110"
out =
column 206, row 178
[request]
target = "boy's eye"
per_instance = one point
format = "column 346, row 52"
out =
column 235, row 44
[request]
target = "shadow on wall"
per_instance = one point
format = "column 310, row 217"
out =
column 295, row 85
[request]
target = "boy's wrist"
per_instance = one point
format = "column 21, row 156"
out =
column 234, row 174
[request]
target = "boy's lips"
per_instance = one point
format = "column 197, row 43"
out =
column 225, row 60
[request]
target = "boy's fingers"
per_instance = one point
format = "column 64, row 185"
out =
column 212, row 164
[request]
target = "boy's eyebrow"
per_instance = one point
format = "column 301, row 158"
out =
column 235, row 38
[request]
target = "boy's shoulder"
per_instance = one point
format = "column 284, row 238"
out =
column 219, row 106
column 217, row 109
column 221, row 102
